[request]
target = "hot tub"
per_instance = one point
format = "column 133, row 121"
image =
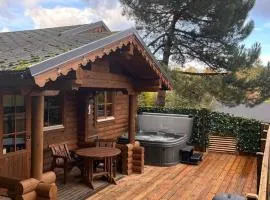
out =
column 162, row 136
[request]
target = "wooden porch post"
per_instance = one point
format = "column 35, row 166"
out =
column 132, row 114
column 37, row 136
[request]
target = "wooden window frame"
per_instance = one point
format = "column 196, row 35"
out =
column 105, row 118
column 56, row 126
column 15, row 133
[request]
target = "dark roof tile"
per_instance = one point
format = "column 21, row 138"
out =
column 22, row 49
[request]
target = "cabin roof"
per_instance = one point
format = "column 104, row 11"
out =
column 22, row 49
column 46, row 49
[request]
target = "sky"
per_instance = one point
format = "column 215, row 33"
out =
column 18, row 15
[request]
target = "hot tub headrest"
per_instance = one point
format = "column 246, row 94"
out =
column 170, row 123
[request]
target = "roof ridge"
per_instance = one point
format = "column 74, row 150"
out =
column 78, row 26
column 44, row 28
column 85, row 27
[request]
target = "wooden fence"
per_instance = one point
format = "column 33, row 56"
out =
column 263, row 166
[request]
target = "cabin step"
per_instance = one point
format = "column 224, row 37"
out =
column 222, row 144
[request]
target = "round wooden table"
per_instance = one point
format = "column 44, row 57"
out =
column 97, row 153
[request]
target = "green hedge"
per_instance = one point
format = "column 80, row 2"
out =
column 246, row 131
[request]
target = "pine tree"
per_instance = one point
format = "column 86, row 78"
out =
column 209, row 31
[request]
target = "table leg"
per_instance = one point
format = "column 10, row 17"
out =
column 90, row 175
column 111, row 173
column 86, row 170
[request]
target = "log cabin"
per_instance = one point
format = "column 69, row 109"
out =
column 66, row 84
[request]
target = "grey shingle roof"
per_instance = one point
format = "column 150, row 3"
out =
column 45, row 49
column 22, row 49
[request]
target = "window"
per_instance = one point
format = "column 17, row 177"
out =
column 104, row 103
column 52, row 111
column 14, row 138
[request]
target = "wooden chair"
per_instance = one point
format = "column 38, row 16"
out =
column 106, row 143
column 63, row 158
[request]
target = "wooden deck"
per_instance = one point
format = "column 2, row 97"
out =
column 217, row 173
column 75, row 189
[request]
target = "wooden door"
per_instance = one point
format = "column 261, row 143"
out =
column 15, row 131
column 86, row 126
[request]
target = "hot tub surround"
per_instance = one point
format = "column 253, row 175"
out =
column 162, row 136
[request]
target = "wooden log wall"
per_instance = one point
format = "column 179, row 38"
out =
column 118, row 126
column 31, row 189
column 138, row 159
column 132, row 158
column 126, row 158
column 67, row 134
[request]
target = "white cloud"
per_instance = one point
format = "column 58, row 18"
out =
column 5, row 29
column 59, row 16
column 265, row 58
column 62, row 16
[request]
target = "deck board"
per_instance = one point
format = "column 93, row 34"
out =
column 217, row 173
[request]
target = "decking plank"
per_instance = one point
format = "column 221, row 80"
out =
column 218, row 172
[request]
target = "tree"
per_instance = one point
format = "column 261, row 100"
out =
column 249, row 86
column 209, row 31
column 191, row 91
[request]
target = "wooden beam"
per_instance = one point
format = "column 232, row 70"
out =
column 45, row 93
column 36, row 92
column 37, row 136
column 132, row 115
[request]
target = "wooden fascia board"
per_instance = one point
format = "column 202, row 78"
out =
column 39, row 92
column 63, row 69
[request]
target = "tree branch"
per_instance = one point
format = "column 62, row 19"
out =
column 203, row 73
column 155, row 40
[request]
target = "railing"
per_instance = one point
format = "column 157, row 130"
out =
column 263, row 166
column 263, row 193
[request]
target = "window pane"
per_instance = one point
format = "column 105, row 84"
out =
column 109, row 110
column 109, row 97
column 52, row 111
column 101, row 110
column 20, row 142
column 101, row 98
column 9, row 113
column 9, row 144
column 9, row 123
column 20, row 122
column 19, row 102
column 54, row 116
column 20, row 113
